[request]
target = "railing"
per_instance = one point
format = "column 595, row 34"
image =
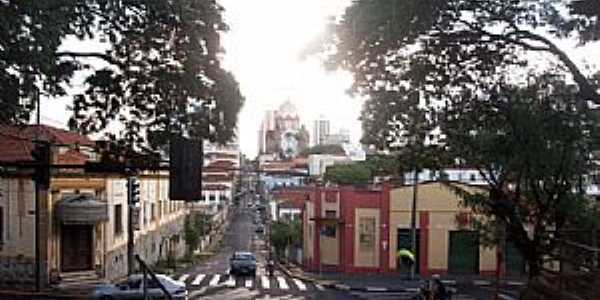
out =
column 147, row 271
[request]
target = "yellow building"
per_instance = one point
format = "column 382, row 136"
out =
column 82, row 218
column 446, row 241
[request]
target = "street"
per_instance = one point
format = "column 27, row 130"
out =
column 211, row 280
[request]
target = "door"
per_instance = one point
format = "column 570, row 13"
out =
column 76, row 248
column 515, row 263
column 463, row 252
column 404, row 242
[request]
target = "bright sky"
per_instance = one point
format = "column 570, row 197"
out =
column 263, row 49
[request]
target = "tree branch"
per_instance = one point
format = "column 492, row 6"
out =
column 107, row 58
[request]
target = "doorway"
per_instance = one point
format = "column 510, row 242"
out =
column 76, row 248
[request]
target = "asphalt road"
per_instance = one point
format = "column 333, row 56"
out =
column 211, row 279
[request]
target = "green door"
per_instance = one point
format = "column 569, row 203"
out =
column 404, row 243
column 463, row 252
column 515, row 263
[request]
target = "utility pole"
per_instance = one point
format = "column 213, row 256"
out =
column 413, row 222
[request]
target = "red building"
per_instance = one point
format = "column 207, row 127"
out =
column 346, row 229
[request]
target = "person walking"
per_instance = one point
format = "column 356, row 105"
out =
column 407, row 260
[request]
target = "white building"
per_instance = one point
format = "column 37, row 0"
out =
column 467, row 176
column 320, row 130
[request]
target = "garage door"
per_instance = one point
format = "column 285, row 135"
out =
column 463, row 252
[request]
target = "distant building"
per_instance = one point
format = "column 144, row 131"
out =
column 318, row 163
column 341, row 137
column 320, row 131
column 282, row 134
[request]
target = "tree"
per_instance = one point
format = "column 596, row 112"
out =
column 438, row 46
column 284, row 235
column 460, row 70
column 349, row 174
column 532, row 145
column 160, row 72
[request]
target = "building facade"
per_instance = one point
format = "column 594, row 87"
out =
column 320, row 130
column 346, row 230
column 82, row 216
column 282, row 134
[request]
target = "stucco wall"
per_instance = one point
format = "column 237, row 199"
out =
column 441, row 205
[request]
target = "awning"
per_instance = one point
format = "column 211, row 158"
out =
column 81, row 209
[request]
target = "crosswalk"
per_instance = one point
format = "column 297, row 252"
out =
column 262, row 282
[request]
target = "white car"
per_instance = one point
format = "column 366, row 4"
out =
column 132, row 288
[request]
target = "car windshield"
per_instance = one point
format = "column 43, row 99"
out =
column 243, row 256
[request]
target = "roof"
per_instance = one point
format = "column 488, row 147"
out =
column 17, row 143
column 290, row 204
column 53, row 135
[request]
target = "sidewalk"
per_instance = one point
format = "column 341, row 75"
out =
column 389, row 282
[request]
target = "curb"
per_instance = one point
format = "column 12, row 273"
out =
column 344, row 287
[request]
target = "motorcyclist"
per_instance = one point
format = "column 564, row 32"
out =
column 270, row 267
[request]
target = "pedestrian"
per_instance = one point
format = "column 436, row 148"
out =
column 407, row 260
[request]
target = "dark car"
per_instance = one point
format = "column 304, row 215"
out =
column 132, row 288
column 260, row 229
column 243, row 263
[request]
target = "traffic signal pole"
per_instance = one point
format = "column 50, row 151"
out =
column 133, row 190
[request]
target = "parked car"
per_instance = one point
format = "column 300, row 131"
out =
column 243, row 263
column 132, row 288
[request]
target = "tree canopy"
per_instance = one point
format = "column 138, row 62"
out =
column 324, row 149
column 481, row 84
column 157, row 67
column 349, row 174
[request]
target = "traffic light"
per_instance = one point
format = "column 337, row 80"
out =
column 133, row 184
column 41, row 155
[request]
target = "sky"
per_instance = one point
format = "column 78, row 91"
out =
column 263, row 50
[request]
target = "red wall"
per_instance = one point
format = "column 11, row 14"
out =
column 351, row 199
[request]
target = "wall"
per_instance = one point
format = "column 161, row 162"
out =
column 437, row 210
column 16, row 248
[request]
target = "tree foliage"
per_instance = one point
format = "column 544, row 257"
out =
column 458, row 75
column 284, row 235
column 349, row 174
column 160, row 70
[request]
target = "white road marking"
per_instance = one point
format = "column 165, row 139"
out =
column 183, row 277
column 481, row 282
column 301, row 286
column 505, row 297
column 230, row 282
column 198, row 279
column 228, row 271
column 264, row 281
column 319, row 287
column 215, row 280
column 282, row 284
column 248, row 283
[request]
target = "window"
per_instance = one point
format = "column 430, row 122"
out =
column 212, row 198
column 328, row 230
column 152, row 212
column 330, row 214
column 473, row 177
column 118, row 219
